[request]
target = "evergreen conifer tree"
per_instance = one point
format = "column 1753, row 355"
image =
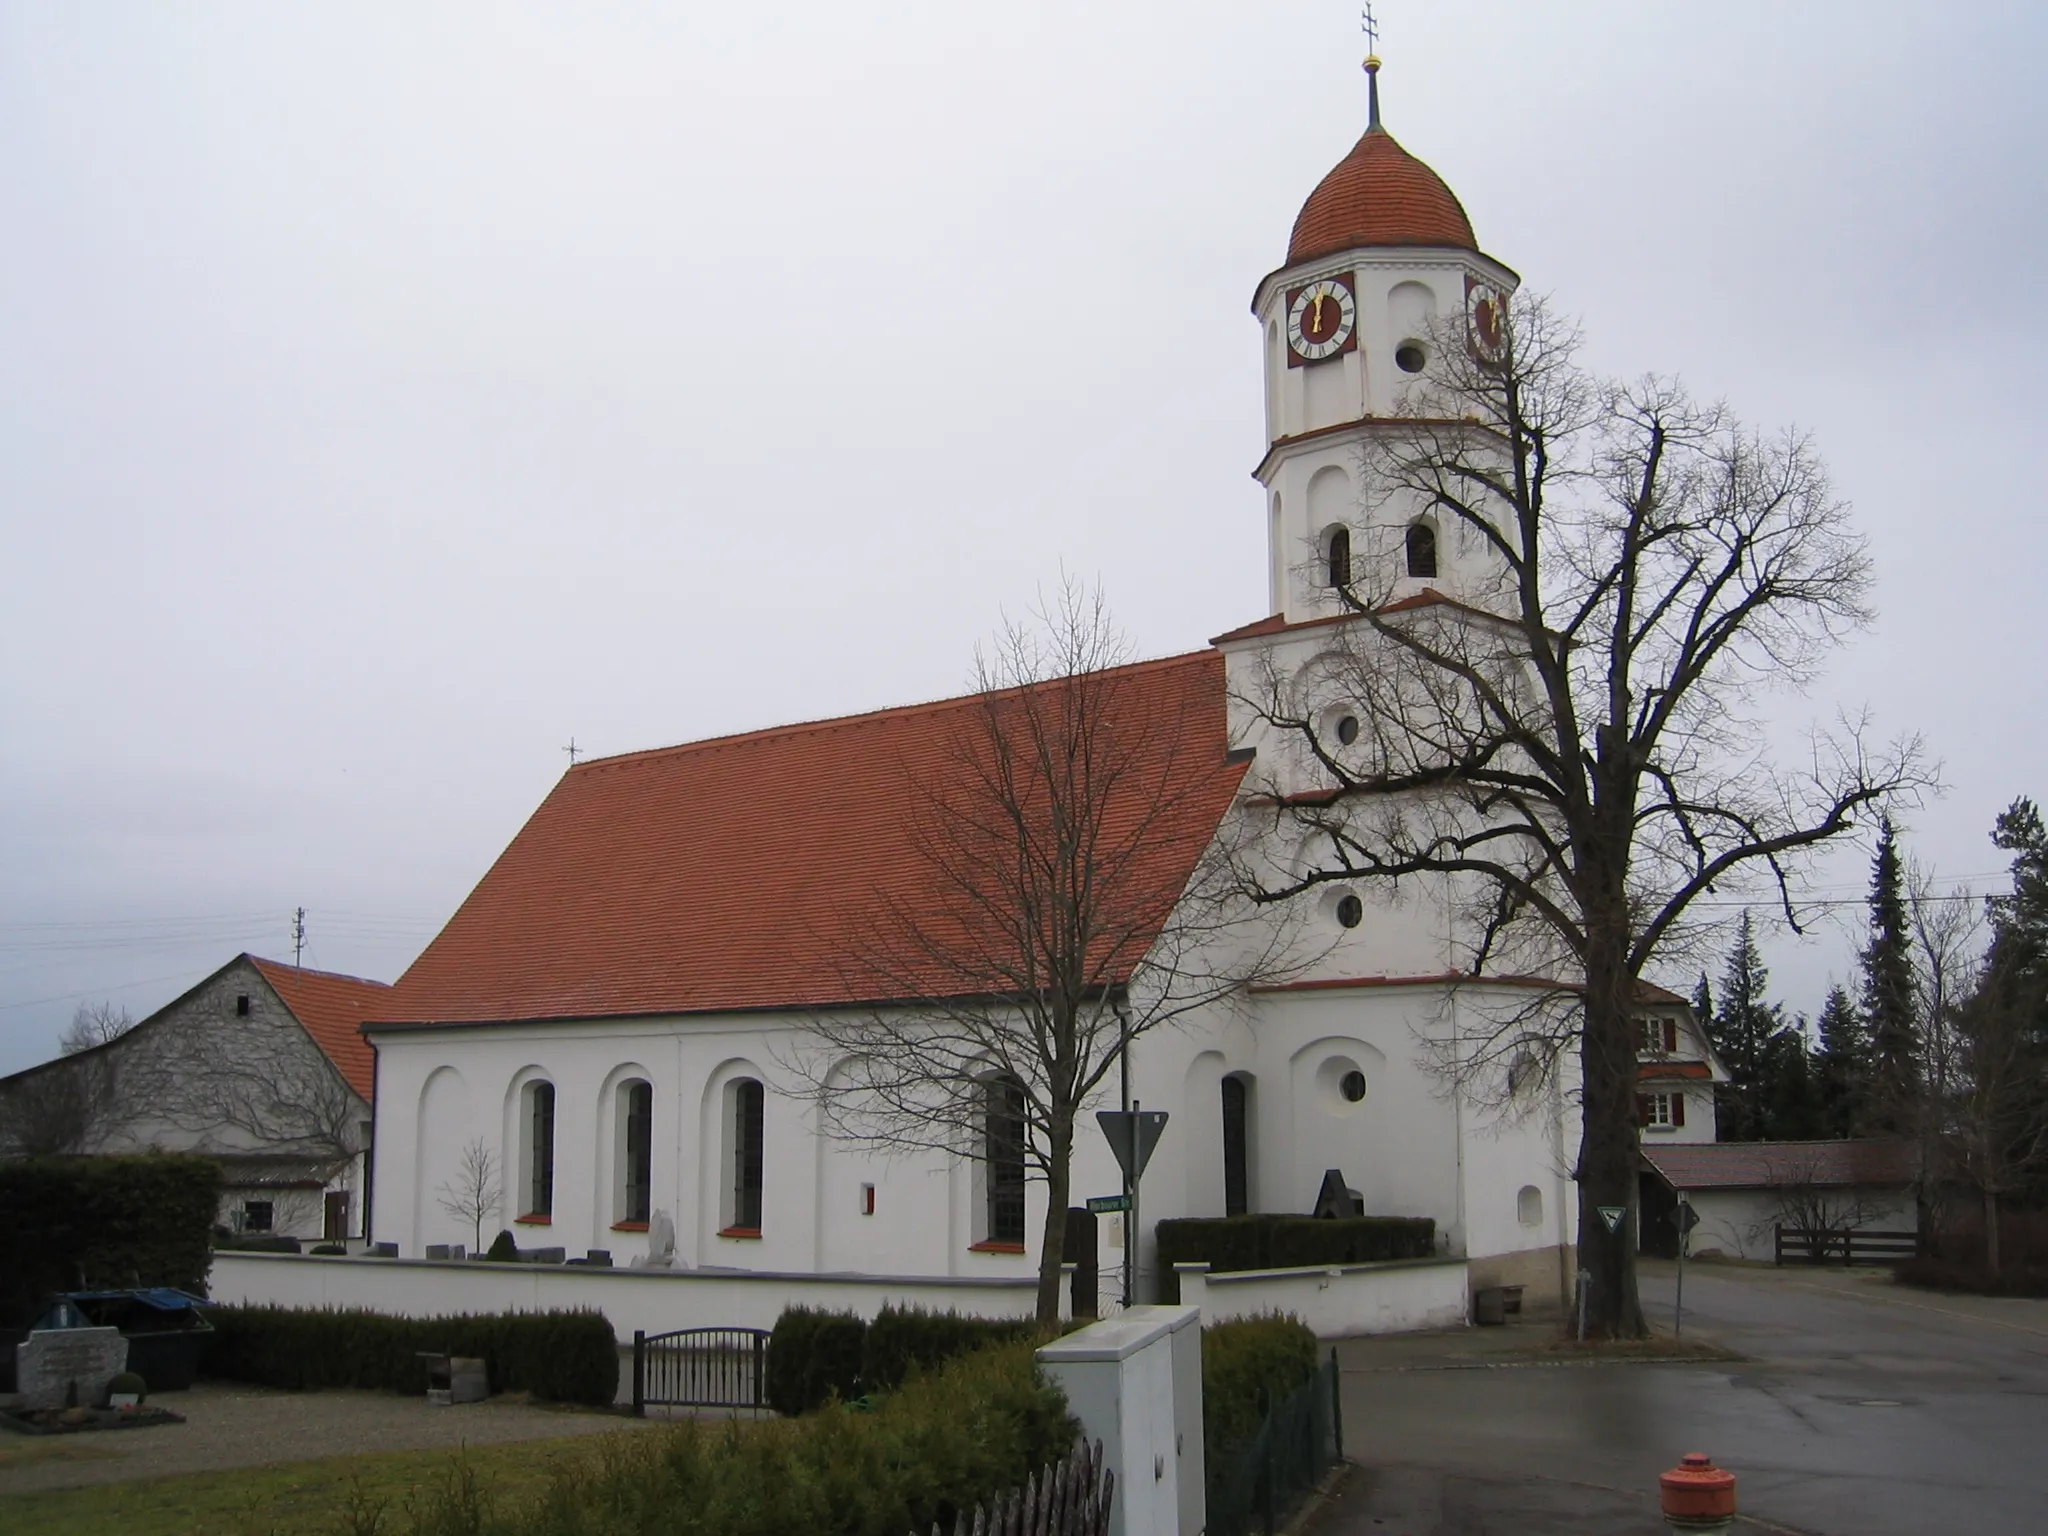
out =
column 1891, row 1100
column 1791, row 1087
column 1741, row 1028
column 1839, row 1066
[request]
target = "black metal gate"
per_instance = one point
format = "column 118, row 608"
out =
column 700, row 1368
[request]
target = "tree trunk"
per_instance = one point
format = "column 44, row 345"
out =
column 1052, row 1250
column 1990, row 1229
column 1608, row 1150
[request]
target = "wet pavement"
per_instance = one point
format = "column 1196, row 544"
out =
column 1862, row 1409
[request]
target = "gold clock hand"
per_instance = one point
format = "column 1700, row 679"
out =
column 1315, row 322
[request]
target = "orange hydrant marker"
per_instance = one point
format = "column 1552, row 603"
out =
column 1698, row 1496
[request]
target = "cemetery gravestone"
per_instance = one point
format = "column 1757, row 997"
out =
column 50, row 1361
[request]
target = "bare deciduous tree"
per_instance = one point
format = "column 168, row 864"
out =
column 1055, row 918
column 1825, row 1213
column 67, row 1105
column 94, row 1024
column 473, row 1194
column 1570, row 739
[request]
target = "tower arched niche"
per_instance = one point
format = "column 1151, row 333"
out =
column 438, row 1134
column 1342, row 1117
column 1411, row 330
column 1202, row 1153
column 1331, row 506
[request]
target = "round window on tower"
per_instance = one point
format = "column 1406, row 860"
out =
column 1347, row 729
column 1352, row 1086
column 1350, row 910
column 1410, row 357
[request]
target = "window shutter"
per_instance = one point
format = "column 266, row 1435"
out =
column 1642, row 1109
column 1678, row 1109
column 1671, row 1034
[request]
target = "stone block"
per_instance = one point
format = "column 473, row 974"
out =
column 599, row 1258
column 50, row 1361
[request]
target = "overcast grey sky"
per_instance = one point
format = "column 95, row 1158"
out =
column 389, row 393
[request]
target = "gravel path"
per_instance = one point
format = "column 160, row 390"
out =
column 230, row 1425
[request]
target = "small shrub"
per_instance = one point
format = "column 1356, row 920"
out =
column 568, row 1357
column 1247, row 1366
column 968, row 1432
column 1232, row 1243
column 813, row 1357
column 504, row 1249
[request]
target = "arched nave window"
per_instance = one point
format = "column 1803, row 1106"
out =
column 538, row 1145
column 1236, row 1144
column 1003, row 1161
column 632, row 1199
column 1421, row 550
column 745, row 1117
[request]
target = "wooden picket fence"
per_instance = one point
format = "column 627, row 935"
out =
column 1068, row 1498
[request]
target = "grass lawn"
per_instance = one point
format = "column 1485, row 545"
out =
column 311, row 1497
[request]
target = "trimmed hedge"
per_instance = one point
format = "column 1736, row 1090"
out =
column 1247, row 1366
column 112, row 1221
column 903, row 1339
column 1232, row 1243
column 569, row 1357
column 965, row 1434
column 813, row 1357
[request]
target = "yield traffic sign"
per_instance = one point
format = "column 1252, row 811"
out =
column 1612, row 1214
column 1132, row 1134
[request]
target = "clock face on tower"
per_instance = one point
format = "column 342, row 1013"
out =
column 1322, row 320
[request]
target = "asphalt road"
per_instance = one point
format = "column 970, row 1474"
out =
column 1863, row 1409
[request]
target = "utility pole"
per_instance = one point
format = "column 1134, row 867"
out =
column 298, row 937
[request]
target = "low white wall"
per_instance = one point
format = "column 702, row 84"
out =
column 653, row 1301
column 1398, row 1296
column 1742, row 1223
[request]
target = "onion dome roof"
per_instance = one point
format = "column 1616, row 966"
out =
column 1379, row 194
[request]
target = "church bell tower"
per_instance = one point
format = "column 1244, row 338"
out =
column 1381, row 256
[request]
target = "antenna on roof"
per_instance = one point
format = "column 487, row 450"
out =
column 1371, row 29
column 298, row 937
column 573, row 750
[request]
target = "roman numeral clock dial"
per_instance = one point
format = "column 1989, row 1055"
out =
column 1322, row 320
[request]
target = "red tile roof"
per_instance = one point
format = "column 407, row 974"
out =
column 745, row 872
column 1379, row 194
column 1763, row 1164
column 332, row 1008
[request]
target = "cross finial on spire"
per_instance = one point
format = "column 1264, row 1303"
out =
column 1371, row 28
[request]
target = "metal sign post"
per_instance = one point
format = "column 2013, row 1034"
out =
column 1687, row 1218
column 1132, row 1134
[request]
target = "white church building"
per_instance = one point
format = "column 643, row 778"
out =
column 613, row 1011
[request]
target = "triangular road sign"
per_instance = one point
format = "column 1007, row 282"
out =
column 1122, row 1127
column 1612, row 1214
